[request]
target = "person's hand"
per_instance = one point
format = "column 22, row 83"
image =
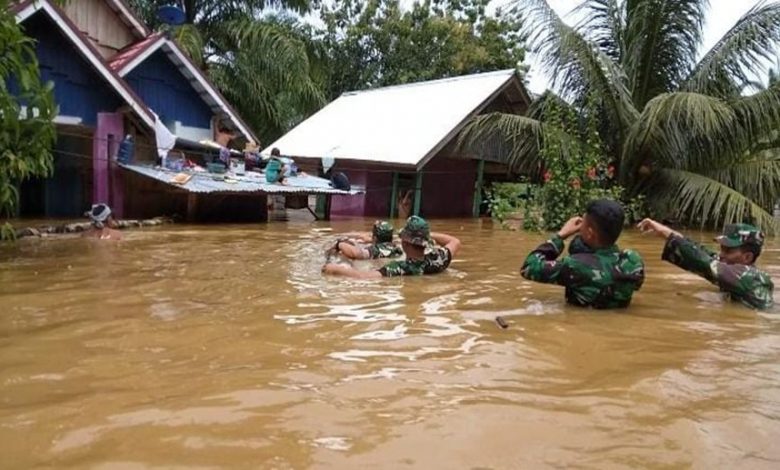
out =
column 657, row 228
column 571, row 227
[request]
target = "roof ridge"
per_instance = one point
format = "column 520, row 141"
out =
column 437, row 81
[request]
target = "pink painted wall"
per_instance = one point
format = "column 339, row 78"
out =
column 107, row 124
column 378, row 194
column 350, row 206
column 448, row 188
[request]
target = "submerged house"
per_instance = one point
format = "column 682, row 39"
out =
column 112, row 78
column 400, row 143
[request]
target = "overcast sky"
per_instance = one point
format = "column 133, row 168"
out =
column 721, row 17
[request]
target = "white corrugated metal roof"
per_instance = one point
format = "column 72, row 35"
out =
column 398, row 124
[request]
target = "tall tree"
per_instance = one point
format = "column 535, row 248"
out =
column 27, row 111
column 377, row 43
column 676, row 127
column 261, row 61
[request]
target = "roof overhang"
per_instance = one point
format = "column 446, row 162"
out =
column 194, row 75
column 128, row 17
column 27, row 9
column 513, row 80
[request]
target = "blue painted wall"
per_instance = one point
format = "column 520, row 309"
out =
column 78, row 89
column 168, row 93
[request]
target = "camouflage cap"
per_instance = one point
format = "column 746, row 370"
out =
column 736, row 235
column 416, row 231
column 383, row 231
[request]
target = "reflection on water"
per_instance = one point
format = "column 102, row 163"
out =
column 214, row 346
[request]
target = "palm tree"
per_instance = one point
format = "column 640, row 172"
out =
column 677, row 128
column 265, row 64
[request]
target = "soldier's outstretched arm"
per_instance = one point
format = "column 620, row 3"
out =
column 351, row 251
column 447, row 241
column 349, row 271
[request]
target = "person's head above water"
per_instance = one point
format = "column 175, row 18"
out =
column 100, row 216
column 740, row 244
column 415, row 236
column 382, row 232
column 602, row 223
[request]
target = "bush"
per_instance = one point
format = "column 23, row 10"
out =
column 576, row 171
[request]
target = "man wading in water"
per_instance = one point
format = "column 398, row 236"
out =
column 422, row 256
column 596, row 273
column 103, row 224
column 734, row 270
column 380, row 242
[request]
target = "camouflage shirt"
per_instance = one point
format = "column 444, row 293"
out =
column 384, row 250
column 434, row 261
column 602, row 278
column 744, row 283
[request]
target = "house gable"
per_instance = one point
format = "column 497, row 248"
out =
column 167, row 92
column 79, row 90
column 102, row 24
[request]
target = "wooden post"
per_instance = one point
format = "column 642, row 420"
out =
column 326, row 215
column 110, row 165
column 192, row 206
column 394, row 195
column 478, row 187
column 417, row 193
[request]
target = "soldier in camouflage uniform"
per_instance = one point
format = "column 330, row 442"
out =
column 733, row 270
column 380, row 244
column 426, row 253
column 596, row 273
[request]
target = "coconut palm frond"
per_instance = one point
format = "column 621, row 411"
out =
column 739, row 54
column 266, row 72
column 757, row 176
column 603, row 24
column 577, row 66
column 759, row 114
column 703, row 200
column 511, row 139
column 189, row 39
column 662, row 37
column 685, row 130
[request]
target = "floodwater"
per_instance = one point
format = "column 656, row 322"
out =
column 224, row 346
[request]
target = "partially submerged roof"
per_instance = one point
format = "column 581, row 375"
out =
column 251, row 183
column 401, row 125
column 26, row 9
column 135, row 54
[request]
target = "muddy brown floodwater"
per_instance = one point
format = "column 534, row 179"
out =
column 224, row 346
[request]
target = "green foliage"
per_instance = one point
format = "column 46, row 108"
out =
column 27, row 110
column 507, row 199
column 674, row 127
column 268, row 69
column 575, row 177
column 376, row 43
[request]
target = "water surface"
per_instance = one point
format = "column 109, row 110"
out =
column 224, row 346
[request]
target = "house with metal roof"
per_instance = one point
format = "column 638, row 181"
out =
column 400, row 143
column 112, row 78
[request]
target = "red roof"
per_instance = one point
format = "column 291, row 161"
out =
column 126, row 55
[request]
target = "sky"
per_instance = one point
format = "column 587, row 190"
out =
column 721, row 17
